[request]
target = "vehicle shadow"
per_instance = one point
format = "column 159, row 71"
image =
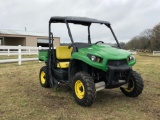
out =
column 111, row 97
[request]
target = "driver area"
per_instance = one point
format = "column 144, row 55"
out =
column 63, row 55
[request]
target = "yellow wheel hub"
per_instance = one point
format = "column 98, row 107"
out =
column 43, row 80
column 79, row 89
column 130, row 86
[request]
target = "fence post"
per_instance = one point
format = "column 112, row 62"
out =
column 8, row 51
column 153, row 52
column 39, row 48
column 29, row 51
column 19, row 55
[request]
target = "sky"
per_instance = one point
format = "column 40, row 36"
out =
column 128, row 17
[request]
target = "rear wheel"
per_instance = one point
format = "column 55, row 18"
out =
column 43, row 78
column 83, row 88
column 135, row 85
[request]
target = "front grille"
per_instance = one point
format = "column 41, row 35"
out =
column 117, row 62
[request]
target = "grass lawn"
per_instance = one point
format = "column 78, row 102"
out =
column 22, row 97
column 3, row 57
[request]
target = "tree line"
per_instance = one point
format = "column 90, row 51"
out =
column 148, row 40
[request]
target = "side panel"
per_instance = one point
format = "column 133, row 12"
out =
column 83, row 57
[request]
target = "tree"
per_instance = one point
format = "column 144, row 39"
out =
column 122, row 44
column 155, row 42
column 148, row 39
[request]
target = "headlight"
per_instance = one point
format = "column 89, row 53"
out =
column 95, row 58
column 130, row 58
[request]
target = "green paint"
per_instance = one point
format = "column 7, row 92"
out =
column 43, row 55
column 103, row 51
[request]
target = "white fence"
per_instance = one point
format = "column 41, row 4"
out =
column 156, row 52
column 19, row 51
column 133, row 52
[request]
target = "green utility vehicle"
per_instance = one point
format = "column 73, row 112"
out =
column 88, row 67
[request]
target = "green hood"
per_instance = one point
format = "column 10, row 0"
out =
column 106, row 51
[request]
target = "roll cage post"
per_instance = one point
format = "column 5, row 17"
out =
column 89, row 36
column 69, row 32
column 113, row 35
column 49, row 63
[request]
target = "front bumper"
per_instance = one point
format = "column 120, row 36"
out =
column 113, row 77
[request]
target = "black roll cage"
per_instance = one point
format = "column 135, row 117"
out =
column 78, row 20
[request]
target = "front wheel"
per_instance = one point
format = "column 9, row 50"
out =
column 135, row 85
column 83, row 88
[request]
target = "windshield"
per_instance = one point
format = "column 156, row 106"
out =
column 101, row 33
column 79, row 33
column 98, row 32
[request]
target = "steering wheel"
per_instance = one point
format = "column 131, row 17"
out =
column 71, row 45
column 99, row 42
